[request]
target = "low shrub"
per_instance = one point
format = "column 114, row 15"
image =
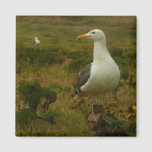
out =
column 50, row 116
column 121, row 61
column 109, row 125
column 131, row 55
column 52, row 55
column 46, row 56
column 25, row 117
column 31, row 93
column 32, row 54
column 49, row 94
column 134, row 84
column 125, row 74
column 50, row 97
column 77, row 64
column 28, row 54
column 116, row 52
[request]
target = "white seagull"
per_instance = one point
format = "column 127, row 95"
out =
column 36, row 41
column 100, row 76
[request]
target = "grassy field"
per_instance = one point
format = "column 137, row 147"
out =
column 55, row 64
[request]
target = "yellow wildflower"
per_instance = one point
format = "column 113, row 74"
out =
column 129, row 115
column 134, row 115
column 74, row 99
column 134, row 108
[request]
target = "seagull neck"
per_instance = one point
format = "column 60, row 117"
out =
column 100, row 51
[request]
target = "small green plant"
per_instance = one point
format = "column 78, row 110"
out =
column 67, row 89
column 117, row 52
column 45, row 56
column 50, row 56
column 118, row 127
column 109, row 125
column 121, row 61
column 74, row 65
column 50, row 116
column 50, row 97
column 134, row 83
column 79, row 59
column 132, row 126
column 32, row 54
column 131, row 55
column 85, row 108
column 25, row 117
column 28, row 54
column 31, row 93
column 19, row 66
column 125, row 74
column 74, row 54
column 77, row 64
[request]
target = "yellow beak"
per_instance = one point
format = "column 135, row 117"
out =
column 81, row 37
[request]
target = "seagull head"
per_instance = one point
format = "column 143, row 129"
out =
column 95, row 35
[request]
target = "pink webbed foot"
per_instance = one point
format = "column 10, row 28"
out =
column 94, row 117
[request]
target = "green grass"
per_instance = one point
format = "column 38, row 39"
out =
column 57, row 36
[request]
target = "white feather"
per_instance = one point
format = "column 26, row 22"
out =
column 105, row 74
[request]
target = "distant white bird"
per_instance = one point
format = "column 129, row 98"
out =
column 100, row 76
column 36, row 41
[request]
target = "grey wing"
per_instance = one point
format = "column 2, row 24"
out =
column 83, row 76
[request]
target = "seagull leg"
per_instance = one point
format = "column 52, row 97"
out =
column 115, row 94
column 93, row 117
column 104, row 99
column 92, row 106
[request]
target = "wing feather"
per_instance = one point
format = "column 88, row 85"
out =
column 83, row 76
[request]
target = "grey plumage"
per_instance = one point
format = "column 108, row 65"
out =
column 83, row 77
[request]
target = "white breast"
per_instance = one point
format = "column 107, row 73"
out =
column 104, row 77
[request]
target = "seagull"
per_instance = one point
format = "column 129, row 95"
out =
column 36, row 41
column 100, row 76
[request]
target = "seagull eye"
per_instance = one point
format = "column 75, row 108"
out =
column 93, row 32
